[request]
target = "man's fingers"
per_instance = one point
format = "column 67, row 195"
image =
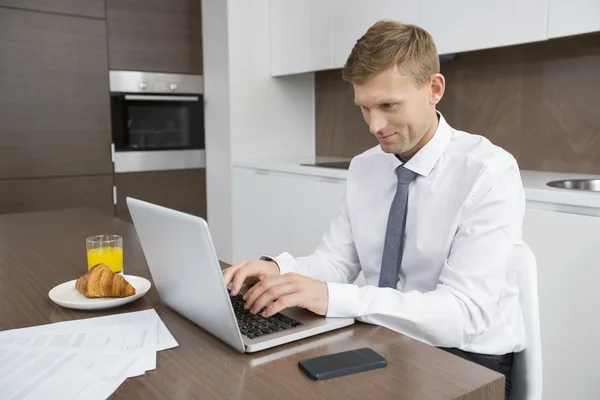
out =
column 257, row 290
column 290, row 300
column 228, row 273
column 246, row 273
column 272, row 294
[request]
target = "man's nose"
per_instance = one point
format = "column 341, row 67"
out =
column 377, row 123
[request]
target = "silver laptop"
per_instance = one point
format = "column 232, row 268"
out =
column 186, row 271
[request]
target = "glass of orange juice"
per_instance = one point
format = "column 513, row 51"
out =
column 105, row 249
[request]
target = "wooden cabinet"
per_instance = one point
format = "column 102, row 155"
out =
column 275, row 211
column 84, row 8
column 567, row 253
column 572, row 17
column 465, row 25
column 182, row 190
column 155, row 35
column 54, row 101
column 24, row 195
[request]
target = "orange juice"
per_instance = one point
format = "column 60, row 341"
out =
column 111, row 256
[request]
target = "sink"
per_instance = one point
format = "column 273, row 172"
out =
column 590, row 185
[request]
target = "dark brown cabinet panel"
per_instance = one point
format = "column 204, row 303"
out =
column 24, row 195
column 84, row 8
column 155, row 35
column 54, row 100
column 182, row 190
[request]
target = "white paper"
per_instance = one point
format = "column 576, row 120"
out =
column 30, row 373
column 139, row 341
column 81, row 359
column 164, row 338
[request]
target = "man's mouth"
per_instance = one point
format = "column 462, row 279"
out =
column 386, row 138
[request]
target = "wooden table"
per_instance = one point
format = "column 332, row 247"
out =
column 43, row 249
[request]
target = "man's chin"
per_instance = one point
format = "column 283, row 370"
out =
column 388, row 148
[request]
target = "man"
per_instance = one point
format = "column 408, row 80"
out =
column 430, row 216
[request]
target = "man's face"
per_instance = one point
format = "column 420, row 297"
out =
column 400, row 114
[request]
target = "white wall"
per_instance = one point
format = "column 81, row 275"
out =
column 249, row 114
column 215, row 48
column 270, row 116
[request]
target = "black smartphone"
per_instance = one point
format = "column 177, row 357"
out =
column 340, row 364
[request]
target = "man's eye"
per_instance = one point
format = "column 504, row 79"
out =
column 387, row 105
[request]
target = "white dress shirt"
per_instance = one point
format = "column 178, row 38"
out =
column 464, row 217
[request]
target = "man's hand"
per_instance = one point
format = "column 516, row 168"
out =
column 288, row 290
column 248, row 272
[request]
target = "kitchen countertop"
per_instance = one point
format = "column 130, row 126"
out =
column 534, row 182
column 294, row 165
column 537, row 191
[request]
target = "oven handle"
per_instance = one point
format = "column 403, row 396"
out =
column 160, row 98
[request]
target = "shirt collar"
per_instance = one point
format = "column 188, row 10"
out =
column 423, row 162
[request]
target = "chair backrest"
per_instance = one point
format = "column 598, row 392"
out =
column 526, row 374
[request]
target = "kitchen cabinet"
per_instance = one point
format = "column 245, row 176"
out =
column 275, row 211
column 301, row 34
column 155, row 35
column 352, row 18
column 84, row 8
column 312, row 35
column 465, row 25
column 38, row 194
column 572, row 17
column 54, row 101
column 307, row 35
column 183, row 190
column 567, row 253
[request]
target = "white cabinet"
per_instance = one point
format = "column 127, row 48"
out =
column 464, row 25
column 352, row 18
column 572, row 17
column 301, row 34
column 568, row 258
column 275, row 212
column 313, row 35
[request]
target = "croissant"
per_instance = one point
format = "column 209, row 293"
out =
column 101, row 281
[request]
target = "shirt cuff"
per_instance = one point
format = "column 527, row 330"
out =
column 343, row 300
column 284, row 261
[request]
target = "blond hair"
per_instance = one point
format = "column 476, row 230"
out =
column 388, row 43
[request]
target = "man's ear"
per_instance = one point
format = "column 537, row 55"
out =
column 437, row 85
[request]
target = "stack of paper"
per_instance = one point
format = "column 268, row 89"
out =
column 82, row 359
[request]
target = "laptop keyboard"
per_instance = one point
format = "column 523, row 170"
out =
column 254, row 326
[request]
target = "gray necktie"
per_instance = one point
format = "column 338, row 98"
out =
column 394, row 235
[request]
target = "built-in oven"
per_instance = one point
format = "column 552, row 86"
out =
column 157, row 121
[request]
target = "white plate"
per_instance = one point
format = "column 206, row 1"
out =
column 66, row 295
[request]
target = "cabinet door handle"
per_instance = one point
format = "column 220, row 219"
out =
column 331, row 180
column 143, row 97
